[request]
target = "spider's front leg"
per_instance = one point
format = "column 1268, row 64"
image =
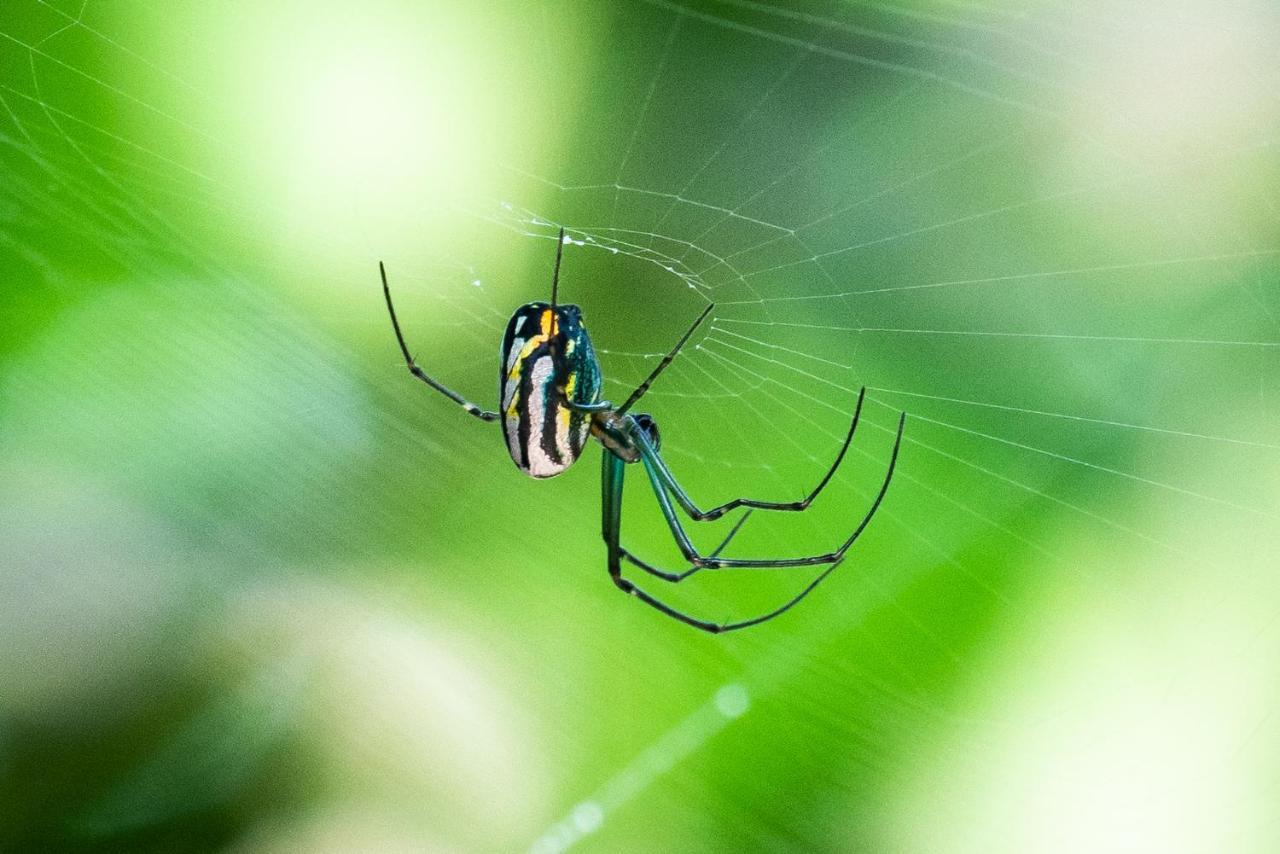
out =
column 635, row 438
column 613, row 473
column 686, row 503
column 653, row 467
column 667, row 575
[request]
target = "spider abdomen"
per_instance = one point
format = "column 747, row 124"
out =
column 546, row 359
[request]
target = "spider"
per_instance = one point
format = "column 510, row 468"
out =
column 549, row 387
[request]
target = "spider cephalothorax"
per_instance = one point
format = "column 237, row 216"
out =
column 549, row 390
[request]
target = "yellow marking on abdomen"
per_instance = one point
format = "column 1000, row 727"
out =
column 549, row 326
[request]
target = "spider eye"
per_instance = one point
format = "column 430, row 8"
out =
column 650, row 427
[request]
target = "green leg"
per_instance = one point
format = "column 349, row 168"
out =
column 682, row 498
column 654, row 467
column 612, row 479
column 681, row 576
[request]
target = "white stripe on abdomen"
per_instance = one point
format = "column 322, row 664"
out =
column 540, row 465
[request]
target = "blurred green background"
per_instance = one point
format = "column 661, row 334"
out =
column 261, row 591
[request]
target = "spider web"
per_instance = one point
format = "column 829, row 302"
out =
column 1063, row 268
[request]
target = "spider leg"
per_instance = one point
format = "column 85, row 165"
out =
column 698, row 515
column 717, row 628
column 786, row 606
column 648, row 455
column 681, row 576
column 613, row 473
column 666, row 360
column 612, row 501
column 601, row 406
column 555, row 277
column 482, row 414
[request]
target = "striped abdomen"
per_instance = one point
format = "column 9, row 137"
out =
column 546, row 356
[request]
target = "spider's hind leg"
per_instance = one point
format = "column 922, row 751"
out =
column 471, row 408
